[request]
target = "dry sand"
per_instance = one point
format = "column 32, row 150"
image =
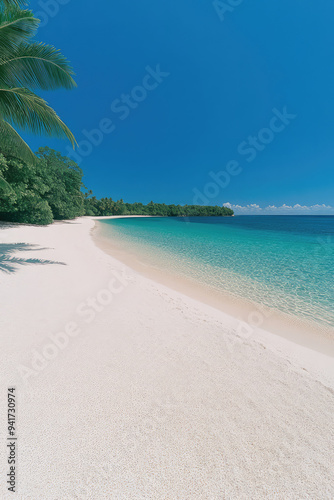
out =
column 130, row 390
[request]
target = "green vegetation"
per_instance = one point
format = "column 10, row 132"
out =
column 40, row 192
column 106, row 206
column 26, row 65
column 51, row 188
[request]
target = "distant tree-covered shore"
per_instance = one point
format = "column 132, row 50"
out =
column 107, row 206
column 52, row 189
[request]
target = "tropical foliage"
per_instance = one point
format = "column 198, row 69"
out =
column 42, row 191
column 52, row 189
column 106, row 206
column 6, row 4
column 27, row 66
column 64, row 180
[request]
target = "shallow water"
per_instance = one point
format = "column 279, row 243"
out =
column 284, row 262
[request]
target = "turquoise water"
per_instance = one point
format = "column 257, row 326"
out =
column 285, row 262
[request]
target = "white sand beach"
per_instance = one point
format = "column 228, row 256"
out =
column 127, row 389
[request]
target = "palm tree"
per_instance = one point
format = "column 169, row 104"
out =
column 13, row 3
column 26, row 65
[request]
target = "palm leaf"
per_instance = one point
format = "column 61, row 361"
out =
column 36, row 66
column 12, row 144
column 25, row 65
column 7, row 4
column 30, row 112
column 16, row 27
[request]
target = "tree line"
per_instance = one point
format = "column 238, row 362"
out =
column 107, row 206
column 52, row 189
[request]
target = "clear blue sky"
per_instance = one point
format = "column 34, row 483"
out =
column 225, row 78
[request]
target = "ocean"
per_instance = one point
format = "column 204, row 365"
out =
column 282, row 262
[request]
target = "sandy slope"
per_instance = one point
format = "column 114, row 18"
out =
column 150, row 394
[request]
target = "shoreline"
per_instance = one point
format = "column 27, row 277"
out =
column 96, row 349
column 300, row 331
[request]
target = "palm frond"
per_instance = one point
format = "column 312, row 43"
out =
column 12, row 144
column 36, row 65
column 25, row 65
column 7, row 4
column 16, row 27
column 30, row 112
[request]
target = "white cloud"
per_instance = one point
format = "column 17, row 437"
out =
column 296, row 209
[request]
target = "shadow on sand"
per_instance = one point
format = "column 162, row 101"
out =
column 9, row 263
